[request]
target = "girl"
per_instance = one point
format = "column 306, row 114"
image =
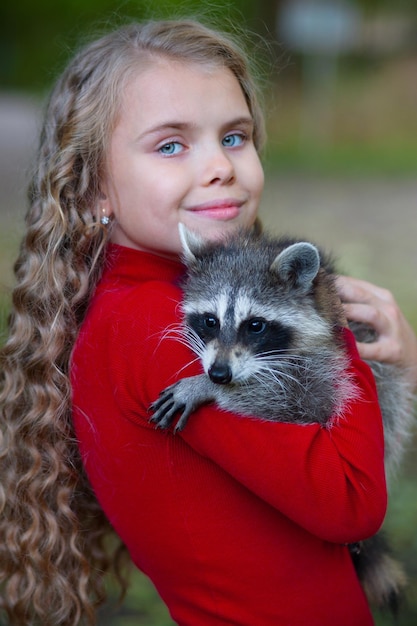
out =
column 236, row 521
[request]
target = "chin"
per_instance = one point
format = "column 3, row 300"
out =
column 217, row 231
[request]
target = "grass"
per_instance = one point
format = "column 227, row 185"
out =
column 346, row 159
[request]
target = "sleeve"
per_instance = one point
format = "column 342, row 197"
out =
column 329, row 481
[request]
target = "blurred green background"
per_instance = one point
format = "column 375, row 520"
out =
column 340, row 87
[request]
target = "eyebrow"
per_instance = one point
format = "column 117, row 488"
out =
column 180, row 126
column 246, row 120
column 162, row 127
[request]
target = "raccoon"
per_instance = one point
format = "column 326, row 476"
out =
column 264, row 317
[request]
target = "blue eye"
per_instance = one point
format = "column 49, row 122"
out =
column 170, row 148
column 233, row 140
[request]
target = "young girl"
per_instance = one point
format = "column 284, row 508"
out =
column 236, row 521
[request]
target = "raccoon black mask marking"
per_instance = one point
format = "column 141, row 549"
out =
column 264, row 317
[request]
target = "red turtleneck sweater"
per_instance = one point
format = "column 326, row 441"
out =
column 236, row 521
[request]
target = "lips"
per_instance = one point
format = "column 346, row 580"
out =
column 219, row 209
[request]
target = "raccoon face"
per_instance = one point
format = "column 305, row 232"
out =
column 231, row 352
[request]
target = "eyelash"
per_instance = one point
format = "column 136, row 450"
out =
column 241, row 137
column 169, row 144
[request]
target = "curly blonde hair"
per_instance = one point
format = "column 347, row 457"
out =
column 54, row 542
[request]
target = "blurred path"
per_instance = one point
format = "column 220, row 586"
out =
column 371, row 224
column 19, row 126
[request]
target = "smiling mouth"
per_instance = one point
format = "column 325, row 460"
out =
column 219, row 209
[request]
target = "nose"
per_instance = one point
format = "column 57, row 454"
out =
column 219, row 168
column 220, row 373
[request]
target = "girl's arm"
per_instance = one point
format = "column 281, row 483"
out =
column 397, row 342
column 329, row 481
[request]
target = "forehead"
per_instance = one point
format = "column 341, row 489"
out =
column 166, row 89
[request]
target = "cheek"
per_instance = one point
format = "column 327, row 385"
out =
column 121, row 189
column 254, row 175
column 165, row 185
column 260, row 178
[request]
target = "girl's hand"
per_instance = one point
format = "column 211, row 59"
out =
column 397, row 342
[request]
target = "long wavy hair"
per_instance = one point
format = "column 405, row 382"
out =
column 55, row 543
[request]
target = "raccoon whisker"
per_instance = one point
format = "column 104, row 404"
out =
column 260, row 377
column 290, row 363
column 193, row 345
column 278, row 352
column 287, row 360
column 186, row 337
column 265, row 381
column 302, row 363
column 279, row 376
column 175, row 332
column 290, row 373
column 195, row 348
column 284, row 366
column 197, row 358
column 193, row 341
column 265, row 374
column 285, row 356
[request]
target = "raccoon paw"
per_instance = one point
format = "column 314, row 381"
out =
column 171, row 401
column 185, row 396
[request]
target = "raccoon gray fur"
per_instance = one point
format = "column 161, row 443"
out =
column 396, row 399
column 264, row 317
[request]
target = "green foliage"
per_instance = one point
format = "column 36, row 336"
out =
column 38, row 38
column 348, row 159
column 142, row 607
column 400, row 525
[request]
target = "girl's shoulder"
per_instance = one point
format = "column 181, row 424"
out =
column 136, row 301
column 136, row 284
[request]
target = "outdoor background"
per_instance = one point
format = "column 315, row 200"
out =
column 340, row 86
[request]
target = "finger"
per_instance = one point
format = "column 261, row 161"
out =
column 369, row 315
column 357, row 290
column 380, row 350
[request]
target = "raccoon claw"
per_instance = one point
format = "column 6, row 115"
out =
column 166, row 407
column 184, row 397
column 164, row 410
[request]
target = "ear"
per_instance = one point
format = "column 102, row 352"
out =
column 297, row 265
column 191, row 244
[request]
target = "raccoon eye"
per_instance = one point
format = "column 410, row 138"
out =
column 210, row 321
column 256, row 326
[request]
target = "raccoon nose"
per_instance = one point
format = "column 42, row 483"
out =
column 220, row 374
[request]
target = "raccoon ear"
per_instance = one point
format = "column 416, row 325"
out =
column 297, row 265
column 191, row 244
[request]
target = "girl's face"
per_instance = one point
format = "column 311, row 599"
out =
column 181, row 151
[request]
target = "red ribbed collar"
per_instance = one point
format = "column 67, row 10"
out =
column 129, row 266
